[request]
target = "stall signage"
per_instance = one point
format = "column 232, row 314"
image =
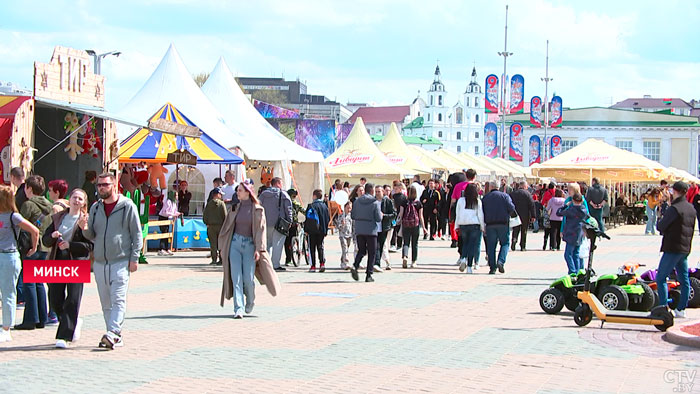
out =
column 185, row 157
column 350, row 158
column 69, row 78
column 170, row 127
column 397, row 160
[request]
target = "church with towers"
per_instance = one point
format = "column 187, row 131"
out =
column 459, row 127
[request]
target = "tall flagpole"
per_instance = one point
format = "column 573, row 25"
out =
column 505, row 55
column 546, row 80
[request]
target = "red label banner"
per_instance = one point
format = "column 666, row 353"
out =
column 56, row 271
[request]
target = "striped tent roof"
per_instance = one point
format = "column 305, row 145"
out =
column 149, row 146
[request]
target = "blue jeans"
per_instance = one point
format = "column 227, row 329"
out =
column 598, row 216
column 668, row 262
column 651, row 221
column 573, row 261
column 35, row 309
column 497, row 234
column 242, row 260
column 471, row 242
column 10, row 266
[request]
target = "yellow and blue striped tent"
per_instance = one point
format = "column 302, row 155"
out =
column 150, row 146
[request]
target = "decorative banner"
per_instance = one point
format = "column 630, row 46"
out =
column 342, row 131
column 555, row 146
column 349, row 158
column 517, row 94
column 535, row 150
column 491, row 139
column 318, row 135
column 394, row 158
column 556, row 112
column 491, row 102
column 270, row 111
column 516, row 142
column 536, row 111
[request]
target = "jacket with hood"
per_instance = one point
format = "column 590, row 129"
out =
column 38, row 210
column 270, row 200
column 367, row 215
column 116, row 238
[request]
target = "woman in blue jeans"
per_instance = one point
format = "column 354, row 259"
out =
column 470, row 219
column 242, row 239
column 11, row 223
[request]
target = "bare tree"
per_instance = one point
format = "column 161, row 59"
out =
column 200, row 78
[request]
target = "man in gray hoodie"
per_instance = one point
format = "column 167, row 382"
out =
column 276, row 203
column 115, row 229
column 366, row 212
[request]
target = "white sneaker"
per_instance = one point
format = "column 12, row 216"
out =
column 462, row 265
column 679, row 314
column 162, row 253
column 378, row 269
column 414, row 264
column 344, row 266
column 459, row 261
column 469, row 270
column 169, row 253
column 5, row 335
column 476, row 266
column 61, row 344
column 78, row 328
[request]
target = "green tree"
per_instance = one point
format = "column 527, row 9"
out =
column 200, row 78
column 274, row 97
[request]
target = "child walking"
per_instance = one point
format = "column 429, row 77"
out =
column 573, row 232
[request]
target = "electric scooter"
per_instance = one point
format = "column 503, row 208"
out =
column 660, row 317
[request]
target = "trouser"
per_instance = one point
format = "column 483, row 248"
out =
column 288, row 243
column 430, row 221
column 669, row 262
column 385, row 249
column 547, row 234
column 381, row 240
column 10, row 267
column 275, row 244
column 367, row 245
column 344, row 249
column 453, row 228
column 497, row 234
column 112, row 282
column 522, row 232
column 471, row 242
column 66, row 306
column 242, row 260
column 442, row 225
column 316, row 244
column 410, row 239
column 35, row 308
column 213, row 235
column 571, row 256
column 163, row 244
column 555, row 234
column 597, row 214
column 651, row 221
column 396, row 237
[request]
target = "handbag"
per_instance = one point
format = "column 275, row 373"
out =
column 515, row 221
column 282, row 226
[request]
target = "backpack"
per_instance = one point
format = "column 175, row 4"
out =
column 410, row 216
column 312, row 224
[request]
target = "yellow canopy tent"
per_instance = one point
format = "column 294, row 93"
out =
column 516, row 170
column 396, row 150
column 453, row 164
column 463, row 162
column 595, row 158
column 428, row 159
column 682, row 175
column 488, row 165
column 360, row 157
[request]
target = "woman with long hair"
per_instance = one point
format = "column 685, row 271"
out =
column 11, row 223
column 411, row 217
column 470, row 219
column 243, row 241
column 555, row 220
column 65, row 238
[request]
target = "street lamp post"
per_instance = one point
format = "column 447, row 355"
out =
column 98, row 58
column 505, row 55
column 546, row 80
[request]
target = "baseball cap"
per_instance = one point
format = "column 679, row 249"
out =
column 680, row 187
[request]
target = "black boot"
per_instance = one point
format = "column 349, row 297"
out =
column 369, row 278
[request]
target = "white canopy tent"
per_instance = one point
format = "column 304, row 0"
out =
column 268, row 144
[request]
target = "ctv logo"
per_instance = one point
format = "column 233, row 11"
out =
column 683, row 379
column 56, row 271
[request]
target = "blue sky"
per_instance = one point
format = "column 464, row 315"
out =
column 380, row 52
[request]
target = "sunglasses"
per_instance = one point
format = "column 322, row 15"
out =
column 104, row 184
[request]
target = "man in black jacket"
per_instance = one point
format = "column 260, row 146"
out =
column 386, row 206
column 498, row 209
column 430, row 200
column 525, row 207
column 677, row 227
column 316, row 241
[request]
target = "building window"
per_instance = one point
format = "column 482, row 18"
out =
column 431, row 100
column 458, row 115
column 467, row 102
column 459, row 135
column 428, row 117
column 440, row 100
column 568, row 144
column 418, row 113
column 625, row 145
column 459, row 148
column 477, row 118
column 439, row 117
column 476, row 102
column 439, row 134
column 476, row 135
column 652, row 150
column 476, row 150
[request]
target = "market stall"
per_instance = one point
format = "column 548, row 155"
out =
column 428, row 159
column 396, row 150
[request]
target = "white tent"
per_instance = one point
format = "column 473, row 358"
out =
column 268, row 144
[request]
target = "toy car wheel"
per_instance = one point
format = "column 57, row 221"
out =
column 552, row 301
column 694, row 298
column 572, row 303
column 661, row 312
column 613, row 298
column 583, row 315
column 647, row 300
column 674, row 296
